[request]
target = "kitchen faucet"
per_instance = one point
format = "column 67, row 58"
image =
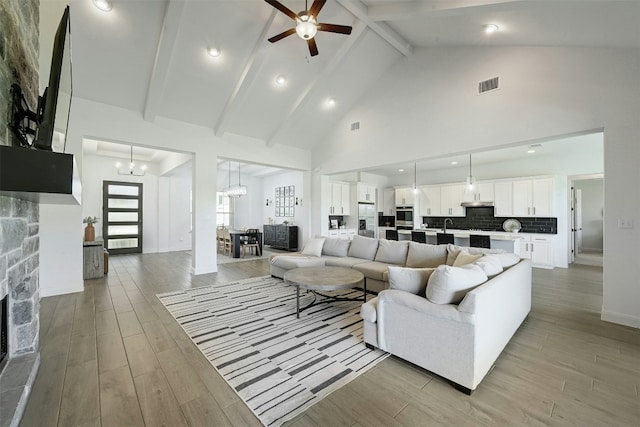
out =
column 445, row 224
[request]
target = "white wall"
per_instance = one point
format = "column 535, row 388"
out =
column 301, row 218
column 592, row 213
column 427, row 106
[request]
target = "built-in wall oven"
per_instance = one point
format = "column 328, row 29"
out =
column 404, row 218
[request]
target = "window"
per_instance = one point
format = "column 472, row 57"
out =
column 224, row 210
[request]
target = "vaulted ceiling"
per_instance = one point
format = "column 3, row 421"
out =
column 150, row 56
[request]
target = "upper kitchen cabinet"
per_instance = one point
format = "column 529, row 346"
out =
column 503, row 198
column 405, row 196
column 366, row 193
column 483, row 192
column 450, row 198
column 388, row 202
column 340, row 198
column 533, row 197
column 429, row 201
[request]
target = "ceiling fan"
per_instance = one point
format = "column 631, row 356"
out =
column 307, row 24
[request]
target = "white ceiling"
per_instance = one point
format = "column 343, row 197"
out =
column 149, row 56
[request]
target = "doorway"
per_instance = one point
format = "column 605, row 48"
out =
column 587, row 220
column 122, row 217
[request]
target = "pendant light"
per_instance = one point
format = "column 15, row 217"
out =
column 132, row 171
column 471, row 181
column 415, row 178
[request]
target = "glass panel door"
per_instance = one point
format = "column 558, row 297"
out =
column 122, row 214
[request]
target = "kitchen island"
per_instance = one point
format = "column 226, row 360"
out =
column 509, row 242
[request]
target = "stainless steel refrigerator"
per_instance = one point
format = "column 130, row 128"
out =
column 366, row 219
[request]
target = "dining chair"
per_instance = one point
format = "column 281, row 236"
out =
column 418, row 236
column 479, row 241
column 228, row 245
column 251, row 242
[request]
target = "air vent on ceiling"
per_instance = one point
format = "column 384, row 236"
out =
column 355, row 126
column 487, row 85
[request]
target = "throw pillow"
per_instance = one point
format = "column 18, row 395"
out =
column 465, row 258
column 508, row 259
column 453, row 250
column 313, row 247
column 413, row 280
column 426, row 255
column 363, row 247
column 490, row 264
column 392, row 252
column 449, row 285
column 336, row 247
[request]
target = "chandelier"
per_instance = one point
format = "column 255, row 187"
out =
column 132, row 171
column 235, row 190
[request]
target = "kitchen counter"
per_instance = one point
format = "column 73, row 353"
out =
column 499, row 239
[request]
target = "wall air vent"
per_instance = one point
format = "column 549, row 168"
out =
column 488, row 85
column 355, row 126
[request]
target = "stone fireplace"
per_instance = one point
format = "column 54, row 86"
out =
column 19, row 218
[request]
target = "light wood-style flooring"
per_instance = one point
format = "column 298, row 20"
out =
column 113, row 356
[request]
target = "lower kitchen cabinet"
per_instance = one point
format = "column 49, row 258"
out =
column 539, row 249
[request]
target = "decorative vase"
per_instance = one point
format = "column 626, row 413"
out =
column 89, row 233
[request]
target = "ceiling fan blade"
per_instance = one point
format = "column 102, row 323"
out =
column 315, row 7
column 332, row 28
column 312, row 46
column 282, row 8
column 282, row 35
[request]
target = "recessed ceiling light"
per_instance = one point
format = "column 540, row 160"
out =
column 454, row 163
column 103, row 5
column 491, row 28
column 118, row 164
column 213, row 52
column 331, row 102
column 281, row 80
column 400, row 170
column 531, row 151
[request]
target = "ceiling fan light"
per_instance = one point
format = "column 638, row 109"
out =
column 306, row 27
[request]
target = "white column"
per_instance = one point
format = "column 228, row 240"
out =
column 204, row 212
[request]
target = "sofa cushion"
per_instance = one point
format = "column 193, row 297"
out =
column 347, row 262
column 363, row 247
column 449, row 285
column 392, row 251
column 426, row 255
column 465, row 258
column 454, row 250
column 334, row 246
column 313, row 247
column 288, row 262
column 490, row 264
column 412, row 280
column 508, row 259
column 372, row 270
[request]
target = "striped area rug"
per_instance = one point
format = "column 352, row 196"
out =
column 278, row 365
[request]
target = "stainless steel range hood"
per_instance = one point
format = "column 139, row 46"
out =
column 476, row 204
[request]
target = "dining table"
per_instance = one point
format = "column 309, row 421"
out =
column 236, row 240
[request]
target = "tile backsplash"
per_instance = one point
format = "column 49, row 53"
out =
column 483, row 218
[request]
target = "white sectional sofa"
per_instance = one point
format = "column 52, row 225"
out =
column 448, row 309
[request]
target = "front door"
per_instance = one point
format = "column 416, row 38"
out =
column 122, row 217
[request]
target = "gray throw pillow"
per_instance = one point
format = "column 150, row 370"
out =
column 413, row 280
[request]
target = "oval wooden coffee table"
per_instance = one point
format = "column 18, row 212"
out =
column 318, row 279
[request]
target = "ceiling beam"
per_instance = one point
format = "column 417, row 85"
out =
column 164, row 51
column 411, row 9
column 356, row 34
column 360, row 11
column 248, row 75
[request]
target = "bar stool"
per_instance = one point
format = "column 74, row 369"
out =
column 479, row 241
column 444, row 238
column 418, row 236
column 392, row 235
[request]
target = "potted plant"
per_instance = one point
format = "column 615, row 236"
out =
column 90, row 231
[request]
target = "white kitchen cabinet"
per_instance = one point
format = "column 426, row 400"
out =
column 429, row 201
column 538, row 248
column 503, row 198
column 483, row 192
column 366, row 193
column 450, row 198
column 340, row 198
column 532, row 197
column 389, row 202
column 404, row 196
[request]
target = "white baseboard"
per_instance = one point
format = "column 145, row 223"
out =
column 205, row 270
column 60, row 291
column 621, row 318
